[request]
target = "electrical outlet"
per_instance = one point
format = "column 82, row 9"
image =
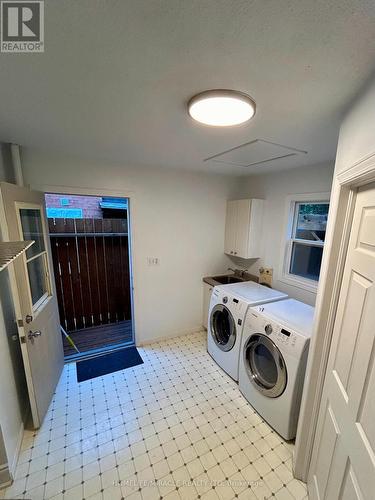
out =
column 153, row 261
column 265, row 276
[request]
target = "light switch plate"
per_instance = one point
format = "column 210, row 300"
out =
column 153, row 261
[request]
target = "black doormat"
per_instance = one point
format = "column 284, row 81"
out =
column 108, row 363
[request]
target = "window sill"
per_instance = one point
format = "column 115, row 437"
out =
column 304, row 284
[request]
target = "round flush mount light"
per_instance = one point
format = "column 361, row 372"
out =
column 221, row 108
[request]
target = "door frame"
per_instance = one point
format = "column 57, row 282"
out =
column 343, row 197
column 18, row 314
column 130, row 195
column 17, row 301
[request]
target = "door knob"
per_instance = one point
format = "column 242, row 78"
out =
column 32, row 335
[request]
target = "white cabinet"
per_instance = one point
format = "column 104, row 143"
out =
column 230, row 227
column 243, row 228
column 207, row 292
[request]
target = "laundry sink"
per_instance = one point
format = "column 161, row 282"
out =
column 227, row 279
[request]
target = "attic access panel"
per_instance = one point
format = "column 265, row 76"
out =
column 253, row 153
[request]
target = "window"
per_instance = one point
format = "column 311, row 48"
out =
column 36, row 255
column 305, row 241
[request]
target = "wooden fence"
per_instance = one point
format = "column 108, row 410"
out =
column 91, row 264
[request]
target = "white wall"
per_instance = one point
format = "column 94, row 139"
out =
column 176, row 216
column 13, row 397
column 4, row 470
column 13, row 401
column 274, row 188
column 356, row 138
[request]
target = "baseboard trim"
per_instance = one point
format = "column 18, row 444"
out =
column 171, row 336
column 13, row 465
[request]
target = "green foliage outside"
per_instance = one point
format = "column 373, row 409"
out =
column 313, row 208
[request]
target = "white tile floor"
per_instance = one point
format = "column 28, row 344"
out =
column 175, row 427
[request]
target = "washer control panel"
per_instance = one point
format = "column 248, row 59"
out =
column 236, row 306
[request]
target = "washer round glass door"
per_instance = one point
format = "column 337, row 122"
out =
column 223, row 327
column 265, row 366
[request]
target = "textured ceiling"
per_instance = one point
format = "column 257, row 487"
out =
column 115, row 77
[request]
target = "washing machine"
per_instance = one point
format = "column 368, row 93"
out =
column 228, row 307
column 274, row 349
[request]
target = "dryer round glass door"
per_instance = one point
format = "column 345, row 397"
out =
column 223, row 327
column 265, row 366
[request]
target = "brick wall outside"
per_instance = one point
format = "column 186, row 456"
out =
column 89, row 204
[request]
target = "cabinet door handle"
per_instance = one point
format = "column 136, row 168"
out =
column 235, row 253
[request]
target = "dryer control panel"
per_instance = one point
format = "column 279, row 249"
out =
column 285, row 339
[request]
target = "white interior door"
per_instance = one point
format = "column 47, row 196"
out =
column 23, row 218
column 343, row 461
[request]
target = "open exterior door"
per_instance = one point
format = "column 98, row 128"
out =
column 22, row 217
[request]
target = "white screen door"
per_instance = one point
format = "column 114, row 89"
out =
column 343, row 461
column 23, row 218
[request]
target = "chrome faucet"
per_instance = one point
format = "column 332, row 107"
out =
column 241, row 272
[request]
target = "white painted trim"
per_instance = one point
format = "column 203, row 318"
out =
column 334, row 256
column 285, row 254
column 360, row 173
column 13, row 464
column 131, row 265
column 180, row 333
column 56, row 189
column 293, row 279
column 7, row 471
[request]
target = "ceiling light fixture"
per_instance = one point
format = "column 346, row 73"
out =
column 221, row 108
